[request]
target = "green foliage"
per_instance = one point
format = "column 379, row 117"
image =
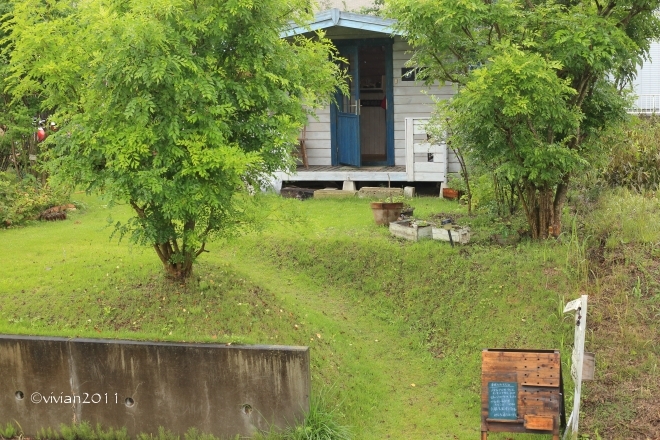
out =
column 534, row 83
column 455, row 181
column 178, row 112
column 8, row 431
column 633, row 154
column 528, row 97
column 623, row 217
column 23, row 199
column 82, row 431
column 319, row 424
column 17, row 140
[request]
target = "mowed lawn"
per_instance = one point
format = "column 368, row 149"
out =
column 395, row 328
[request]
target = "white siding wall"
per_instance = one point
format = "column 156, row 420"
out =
column 318, row 138
column 647, row 84
column 648, row 77
column 411, row 100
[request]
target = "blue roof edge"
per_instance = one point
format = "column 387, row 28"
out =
column 335, row 17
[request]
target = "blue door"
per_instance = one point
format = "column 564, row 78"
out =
column 348, row 112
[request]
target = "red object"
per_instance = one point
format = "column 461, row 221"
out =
column 41, row 134
column 383, row 103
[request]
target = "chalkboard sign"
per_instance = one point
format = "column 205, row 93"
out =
column 503, row 400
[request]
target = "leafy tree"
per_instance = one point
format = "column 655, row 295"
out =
column 176, row 107
column 538, row 80
column 16, row 127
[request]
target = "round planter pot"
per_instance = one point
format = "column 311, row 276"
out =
column 385, row 213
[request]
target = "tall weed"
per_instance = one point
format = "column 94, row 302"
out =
column 321, row 423
column 625, row 217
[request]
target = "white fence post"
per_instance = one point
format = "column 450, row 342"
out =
column 410, row 154
column 577, row 360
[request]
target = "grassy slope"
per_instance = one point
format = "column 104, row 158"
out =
column 380, row 315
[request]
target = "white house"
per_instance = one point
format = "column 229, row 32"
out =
column 376, row 132
column 647, row 84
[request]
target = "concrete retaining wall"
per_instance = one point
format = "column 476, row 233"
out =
column 222, row 390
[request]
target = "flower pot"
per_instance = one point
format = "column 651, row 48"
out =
column 385, row 213
column 450, row 193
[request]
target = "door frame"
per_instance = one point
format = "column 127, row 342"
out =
column 389, row 96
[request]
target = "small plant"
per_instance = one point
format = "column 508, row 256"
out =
column 455, row 181
column 319, row 424
column 637, row 289
column 82, row 431
column 8, row 431
column 392, row 199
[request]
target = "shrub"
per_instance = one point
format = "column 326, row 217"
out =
column 23, row 199
column 634, row 155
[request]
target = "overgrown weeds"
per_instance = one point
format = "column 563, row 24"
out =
column 23, row 199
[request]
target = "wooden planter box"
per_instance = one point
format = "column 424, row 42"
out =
column 403, row 229
column 451, row 194
column 458, row 235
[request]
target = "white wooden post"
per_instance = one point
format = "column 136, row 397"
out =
column 577, row 359
column 410, row 154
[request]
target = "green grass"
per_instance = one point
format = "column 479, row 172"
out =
column 396, row 328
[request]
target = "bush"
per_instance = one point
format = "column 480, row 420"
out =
column 23, row 199
column 634, row 155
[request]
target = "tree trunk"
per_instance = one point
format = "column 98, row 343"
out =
column 558, row 205
column 178, row 265
column 543, row 208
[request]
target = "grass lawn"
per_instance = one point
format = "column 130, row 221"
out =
column 396, row 328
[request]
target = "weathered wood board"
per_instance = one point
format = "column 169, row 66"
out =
column 521, row 391
column 403, row 229
column 458, row 234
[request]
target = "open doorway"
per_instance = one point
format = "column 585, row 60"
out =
column 373, row 124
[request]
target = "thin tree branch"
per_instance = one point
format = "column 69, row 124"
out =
column 467, row 32
column 160, row 254
column 199, row 252
column 448, row 76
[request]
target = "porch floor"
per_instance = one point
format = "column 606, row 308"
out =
column 344, row 172
column 370, row 169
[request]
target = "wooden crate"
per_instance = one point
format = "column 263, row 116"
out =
column 410, row 231
column 521, row 391
column 458, row 234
